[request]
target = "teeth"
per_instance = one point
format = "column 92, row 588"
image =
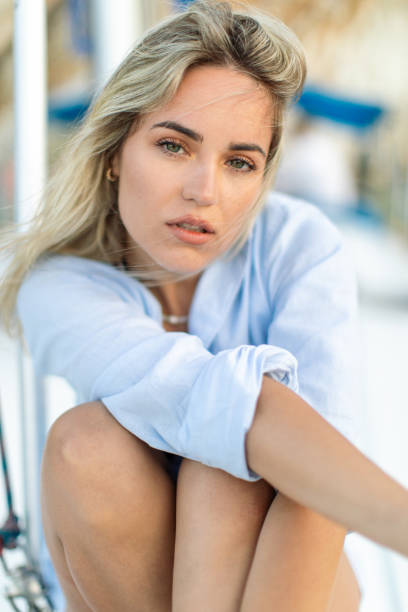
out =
column 193, row 228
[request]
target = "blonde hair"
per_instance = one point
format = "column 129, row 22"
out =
column 79, row 213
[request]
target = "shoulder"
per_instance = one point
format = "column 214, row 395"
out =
column 292, row 237
column 68, row 269
column 62, row 277
column 74, row 265
column 285, row 220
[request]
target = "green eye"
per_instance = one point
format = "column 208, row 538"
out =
column 173, row 147
column 168, row 145
column 240, row 164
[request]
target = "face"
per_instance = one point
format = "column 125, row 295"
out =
column 190, row 173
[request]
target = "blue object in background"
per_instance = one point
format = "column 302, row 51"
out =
column 68, row 112
column 319, row 103
column 80, row 26
column 180, row 4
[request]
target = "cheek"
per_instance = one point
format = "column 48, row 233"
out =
column 241, row 208
column 243, row 199
column 134, row 188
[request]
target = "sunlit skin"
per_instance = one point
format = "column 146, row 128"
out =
column 209, row 163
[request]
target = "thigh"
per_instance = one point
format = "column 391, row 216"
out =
column 218, row 521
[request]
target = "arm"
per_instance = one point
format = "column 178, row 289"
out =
column 312, row 290
column 100, row 329
column 293, row 447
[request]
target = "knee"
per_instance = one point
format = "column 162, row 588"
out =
column 79, row 437
column 88, row 436
column 93, row 460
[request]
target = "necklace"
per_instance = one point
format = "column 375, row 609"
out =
column 175, row 319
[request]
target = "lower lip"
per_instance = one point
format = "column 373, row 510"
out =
column 189, row 236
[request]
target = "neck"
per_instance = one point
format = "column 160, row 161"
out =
column 176, row 298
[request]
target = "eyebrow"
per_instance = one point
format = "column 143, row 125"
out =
column 243, row 146
column 239, row 146
column 173, row 125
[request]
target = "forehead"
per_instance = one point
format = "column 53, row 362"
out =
column 219, row 96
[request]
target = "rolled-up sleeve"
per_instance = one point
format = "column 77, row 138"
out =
column 87, row 322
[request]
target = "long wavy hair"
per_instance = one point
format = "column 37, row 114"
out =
column 78, row 214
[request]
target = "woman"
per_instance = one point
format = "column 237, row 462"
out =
column 197, row 324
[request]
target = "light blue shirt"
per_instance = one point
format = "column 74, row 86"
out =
column 285, row 307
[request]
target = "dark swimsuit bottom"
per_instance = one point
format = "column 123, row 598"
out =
column 173, row 465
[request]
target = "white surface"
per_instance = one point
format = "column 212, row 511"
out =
column 381, row 263
column 30, row 132
column 115, row 27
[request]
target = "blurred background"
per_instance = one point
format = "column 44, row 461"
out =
column 346, row 150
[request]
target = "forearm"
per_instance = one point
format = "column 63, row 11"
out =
column 292, row 447
column 296, row 560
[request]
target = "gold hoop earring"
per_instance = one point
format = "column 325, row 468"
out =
column 110, row 176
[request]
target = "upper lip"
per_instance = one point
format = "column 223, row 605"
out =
column 193, row 221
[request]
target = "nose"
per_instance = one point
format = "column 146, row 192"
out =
column 201, row 183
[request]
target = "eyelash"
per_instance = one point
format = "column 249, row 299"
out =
column 161, row 144
column 250, row 164
column 165, row 141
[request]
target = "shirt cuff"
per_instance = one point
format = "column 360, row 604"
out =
column 214, row 433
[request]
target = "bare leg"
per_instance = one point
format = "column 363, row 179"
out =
column 298, row 563
column 293, row 564
column 219, row 518
column 75, row 601
column 109, row 515
column 346, row 594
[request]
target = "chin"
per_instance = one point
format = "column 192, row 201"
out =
column 184, row 270
column 181, row 268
